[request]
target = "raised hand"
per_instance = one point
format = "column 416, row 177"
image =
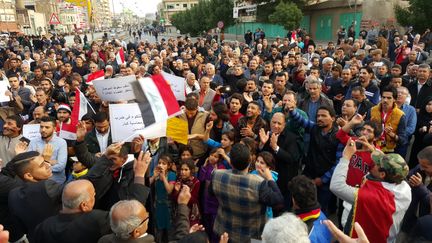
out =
column 268, row 103
column 415, row 180
column 224, row 238
column 342, row 238
column 184, row 195
column 137, row 143
column 142, row 163
column 47, row 152
column 81, row 131
column 350, row 149
column 265, row 173
column 195, row 228
column 273, row 141
column 21, row 147
column 264, row 136
column 357, row 119
column 114, row 148
column 209, row 125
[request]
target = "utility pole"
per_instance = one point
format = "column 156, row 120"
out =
column 355, row 16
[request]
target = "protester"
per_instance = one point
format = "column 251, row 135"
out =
column 259, row 93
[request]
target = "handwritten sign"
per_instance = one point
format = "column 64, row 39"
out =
column 3, row 89
column 177, row 85
column 31, row 131
column 115, row 89
column 125, row 121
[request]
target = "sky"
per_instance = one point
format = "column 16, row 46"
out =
column 140, row 7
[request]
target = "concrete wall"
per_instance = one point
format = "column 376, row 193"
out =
column 380, row 11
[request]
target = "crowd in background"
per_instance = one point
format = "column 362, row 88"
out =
column 283, row 134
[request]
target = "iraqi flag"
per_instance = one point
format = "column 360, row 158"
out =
column 379, row 208
column 80, row 108
column 98, row 75
column 68, row 131
column 120, row 58
column 156, row 100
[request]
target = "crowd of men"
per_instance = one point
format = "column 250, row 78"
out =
column 283, row 134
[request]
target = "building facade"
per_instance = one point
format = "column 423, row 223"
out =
column 102, row 15
column 8, row 17
column 167, row 8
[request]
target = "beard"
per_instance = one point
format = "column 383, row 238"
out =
column 46, row 135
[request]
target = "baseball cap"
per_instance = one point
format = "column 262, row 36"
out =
column 394, row 165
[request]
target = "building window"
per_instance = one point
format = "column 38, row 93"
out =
column 169, row 6
column 178, row 5
column 185, row 5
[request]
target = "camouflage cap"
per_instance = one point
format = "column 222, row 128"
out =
column 394, row 165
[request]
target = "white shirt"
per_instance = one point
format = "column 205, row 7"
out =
column 103, row 140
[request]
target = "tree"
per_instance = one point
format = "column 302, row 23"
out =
column 287, row 14
column 417, row 14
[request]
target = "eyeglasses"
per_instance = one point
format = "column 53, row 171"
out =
column 142, row 222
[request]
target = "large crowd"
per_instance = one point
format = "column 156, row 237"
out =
column 283, row 135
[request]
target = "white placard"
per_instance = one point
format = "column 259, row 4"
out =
column 177, row 85
column 155, row 130
column 31, row 131
column 125, row 121
column 115, row 89
column 3, row 89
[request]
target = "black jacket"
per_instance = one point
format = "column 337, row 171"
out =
column 33, row 203
column 111, row 186
column 322, row 152
column 92, row 142
column 418, row 98
column 8, row 182
column 242, row 123
column 287, row 158
column 72, row 228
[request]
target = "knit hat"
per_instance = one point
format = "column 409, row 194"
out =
column 393, row 164
column 65, row 107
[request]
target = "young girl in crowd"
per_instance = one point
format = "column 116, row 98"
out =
column 185, row 152
column 186, row 177
column 209, row 202
column 264, row 162
column 225, row 144
column 163, row 180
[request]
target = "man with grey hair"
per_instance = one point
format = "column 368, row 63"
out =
column 326, row 71
column 403, row 100
column 129, row 223
column 77, row 221
column 215, row 79
column 287, row 228
column 314, row 98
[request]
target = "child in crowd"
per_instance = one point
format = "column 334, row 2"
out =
column 78, row 169
column 209, row 202
column 186, row 177
column 265, row 161
column 163, row 180
column 225, row 144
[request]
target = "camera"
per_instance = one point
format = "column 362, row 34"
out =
column 358, row 145
column 224, row 89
